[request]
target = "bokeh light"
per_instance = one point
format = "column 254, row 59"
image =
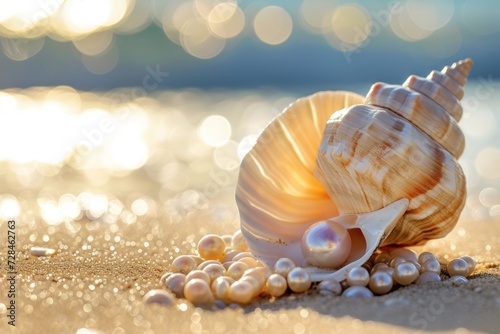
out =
column 273, row 25
column 215, row 130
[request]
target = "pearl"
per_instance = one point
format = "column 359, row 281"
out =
column 159, row 296
column 198, row 292
column 380, row 282
column 330, row 287
column 229, row 256
column 199, row 274
column 458, row 267
column 383, row 258
column 228, row 264
column 211, row 247
column 326, row 244
column 257, row 285
column 405, row 273
column 214, row 270
column 425, row 256
column 416, row 264
column 236, row 270
column 164, row 277
column 299, row 280
column 456, row 280
column 202, row 265
column 379, row 266
column 260, row 273
column 227, row 239
column 471, row 263
column 183, row 264
column 276, row 285
column 432, row 265
column 239, row 242
column 283, row 266
column 357, row 292
column 175, row 283
column 242, row 255
column 197, row 259
column 428, row 276
column 241, row 292
column 405, row 253
column 358, row 276
column 220, row 287
column 252, row 263
column 395, row 261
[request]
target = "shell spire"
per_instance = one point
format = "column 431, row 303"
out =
column 431, row 103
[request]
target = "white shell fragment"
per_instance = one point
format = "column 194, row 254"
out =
column 42, row 251
column 385, row 167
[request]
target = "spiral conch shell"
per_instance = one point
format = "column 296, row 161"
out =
column 384, row 167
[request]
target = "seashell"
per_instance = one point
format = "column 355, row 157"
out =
column 384, row 167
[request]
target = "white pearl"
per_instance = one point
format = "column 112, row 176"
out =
column 458, row 279
column 199, row 274
column 214, row 270
column 330, row 287
column 431, row 265
column 326, row 244
column 236, row 270
column 283, row 266
column 241, row 292
column 458, row 267
column 220, row 287
column 242, row 255
column 383, row 258
column 428, row 276
column 396, row 260
column 175, row 283
column 379, row 266
column 202, row 265
column 299, row 280
column 405, row 253
column 276, row 285
column 405, row 273
column 229, row 256
column 239, row 242
column 228, row 238
column 211, row 247
column 358, row 276
column 357, row 292
column 259, row 273
column 198, row 292
column 257, row 285
column 471, row 263
column 425, row 256
column 380, row 282
column 183, row 264
column 159, row 297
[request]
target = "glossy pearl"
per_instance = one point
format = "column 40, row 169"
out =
column 236, row 270
column 202, row 265
column 220, row 287
column 259, row 273
column 214, row 270
column 405, row 273
column 357, row 292
column 183, row 264
column 239, row 242
column 164, row 277
column 428, row 276
column 229, row 256
column 396, row 260
column 383, row 258
column 358, row 276
column 252, row 263
column 299, row 280
column 198, row 292
column 471, row 263
column 211, row 247
column 380, row 282
column 330, row 287
column 227, row 239
column 276, row 285
column 458, row 267
column 159, row 297
column 458, row 279
column 175, row 283
column 283, row 266
column 425, row 256
column 257, row 285
column 241, row 292
column 379, row 266
column 405, row 253
column 326, row 244
column 242, row 255
column 198, row 274
column 431, row 265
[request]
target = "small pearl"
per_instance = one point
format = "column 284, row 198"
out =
column 431, row 265
column 379, row 266
column 252, row 263
column 428, row 276
column 257, row 285
column 326, row 244
column 358, row 276
column 175, row 283
column 368, row 266
column 227, row 239
column 425, row 256
column 380, row 282
column 395, row 261
column 164, row 277
column 405, row 273
column 299, row 280
column 242, row 255
column 330, row 287
column 458, row 280
column 228, row 264
column 229, row 256
column 211, row 247
column 220, row 287
column 276, row 285
column 202, row 265
column 239, row 242
column 357, row 292
column 260, row 273
column 236, row 270
column 197, row 259
column 383, row 258
column 198, row 292
column 405, row 253
column 471, row 263
column 183, row 264
column 199, row 274
column 283, row 266
column 417, row 265
column 159, row 297
column 214, row 270
column 241, row 292
column 458, row 267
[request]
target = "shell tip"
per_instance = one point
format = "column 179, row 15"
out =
column 463, row 66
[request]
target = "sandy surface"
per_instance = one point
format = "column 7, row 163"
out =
column 106, row 261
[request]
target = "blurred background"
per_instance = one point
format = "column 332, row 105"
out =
column 117, row 109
